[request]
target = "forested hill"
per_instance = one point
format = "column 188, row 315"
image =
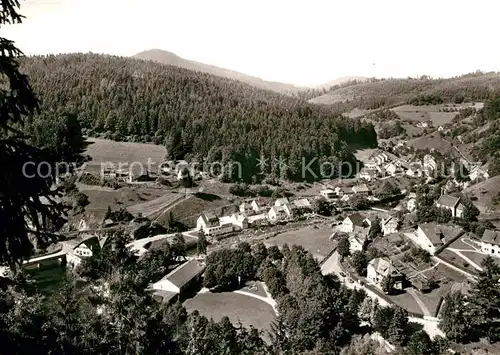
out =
column 165, row 57
column 384, row 92
column 192, row 112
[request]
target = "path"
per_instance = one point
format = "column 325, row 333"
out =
column 267, row 300
column 429, row 269
column 332, row 265
column 420, row 303
column 138, row 245
column 472, row 263
column 437, row 258
column 151, row 207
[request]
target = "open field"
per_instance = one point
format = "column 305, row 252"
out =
column 314, row 240
column 238, row 308
column 484, row 192
column 48, row 279
column 103, row 150
column 149, row 208
column 432, row 142
column 188, row 211
column 478, row 257
column 431, row 112
column 126, row 196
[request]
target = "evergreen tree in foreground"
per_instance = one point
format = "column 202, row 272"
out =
column 27, row 203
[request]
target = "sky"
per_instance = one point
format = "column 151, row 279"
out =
column 301, row 42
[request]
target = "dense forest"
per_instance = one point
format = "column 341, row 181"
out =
column 193, row 113
column 377, row 93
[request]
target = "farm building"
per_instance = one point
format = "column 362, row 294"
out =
column 81, row 250
column 452, row 204
column 178, row 282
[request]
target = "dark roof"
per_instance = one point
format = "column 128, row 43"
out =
column 492, row 237
column 433, row 232
column 356, row 219
column 448, row 201
column 163, row 296
column 181, row 275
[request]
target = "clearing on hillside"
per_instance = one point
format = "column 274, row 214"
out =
column 485, row 192
column 138, row 154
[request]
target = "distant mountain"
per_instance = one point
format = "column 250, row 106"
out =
column 165, row 57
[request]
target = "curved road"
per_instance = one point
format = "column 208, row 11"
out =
column 332, row 265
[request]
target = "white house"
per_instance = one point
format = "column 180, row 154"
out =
column 278, row 213
column 81, row 250
column 212, row 226
column 379, row 268
column 477, row 173
column 350, row 222
column 258, row 206
column 82, row 225
column 429, row 237
column 490, row 243
column 391, row 169
column 451, row 203
column 390, row 225
column 328, row 194
column 356, row 243
column 239, row 221
column 430, row 164
column 411, row 205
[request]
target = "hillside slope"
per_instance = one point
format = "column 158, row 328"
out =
column 191, row 112
column 165, row 57
column 375, row 94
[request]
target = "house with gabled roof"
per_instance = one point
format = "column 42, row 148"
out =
column 281, row 201
column 302, row 204
column 380, row 268
column 452, row 204
column 490, row 243
column 211, row 225
column 177, row 282
column 80, row 249
column 258, row 205
column 279, row 213
column 352, row 221
column 429, row 237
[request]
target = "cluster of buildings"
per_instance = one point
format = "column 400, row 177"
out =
column 384, row 164
column 252, row 213
column 344, row 193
